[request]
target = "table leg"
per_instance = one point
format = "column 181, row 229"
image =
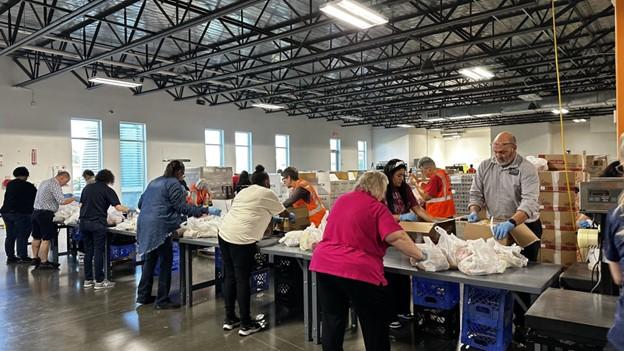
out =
column 68, row 240
column 182, row 273
column 188, row 275
column 461, row 314
column 54, row 248
column 107, row 260
column 316, row 312
column 307, row 306
column 273, row 306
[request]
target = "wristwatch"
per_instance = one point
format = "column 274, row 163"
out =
column 513, row 221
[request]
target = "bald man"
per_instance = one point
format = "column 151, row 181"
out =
column 507, row 186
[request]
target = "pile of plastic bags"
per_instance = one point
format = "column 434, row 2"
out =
column 472, row 257
column 201, row 227
column 68, row 214
column 128, row 224
column 306, row 239
column 114, row 217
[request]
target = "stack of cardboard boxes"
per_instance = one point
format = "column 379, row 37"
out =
column 558, row 208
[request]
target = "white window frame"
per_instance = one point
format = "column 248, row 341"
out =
column 281, row 148
column 364, row 153
column 221, row 146
column 144, row 141
column 338, row 154
column 78, row 177
column 249, row 147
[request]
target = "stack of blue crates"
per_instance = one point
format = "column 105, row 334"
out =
column 487, row 318
column 259, row 280
column 435, row 294
column 119, row 252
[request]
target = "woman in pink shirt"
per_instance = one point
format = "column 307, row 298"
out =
column 349, row 263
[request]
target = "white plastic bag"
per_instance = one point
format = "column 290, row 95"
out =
column 539, row 163
column 483, row 259
column 436, row 260
column 310, row 237
column 453, row 248
column 509, row 254
column 291, row 238
column 114, row 217
column 202, row 227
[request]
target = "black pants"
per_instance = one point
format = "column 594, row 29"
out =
column 370, row 303
column 18, row 228
column 238, row 263
column 400, row 289
column 94, row 237
column 532, row 253
column 165, row 253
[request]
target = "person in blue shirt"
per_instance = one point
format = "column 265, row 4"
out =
column 162, row 205
column 613, row 246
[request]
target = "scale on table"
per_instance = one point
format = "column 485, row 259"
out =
column 597, row 197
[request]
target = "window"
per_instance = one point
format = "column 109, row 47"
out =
column 132, row 162
column 242, row 144
column 282, row 151
column 362, row 149
column 334, row 154
column 214, row 147
column 86, row 141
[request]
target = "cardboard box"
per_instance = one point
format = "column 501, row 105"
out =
column 594, row 165
column 563, row 257
column 301, row 220
column 310, row 177
column 557, row 201
column 559, row 240
column 556, row 180
column 555, row 162
column 427, row 228
column 565, row 220
column 521, row 235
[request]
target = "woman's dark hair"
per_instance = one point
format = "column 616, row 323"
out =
column 392, row 167
column 243, row 179
column 105, row 176
column 174, row 167
column 21, row 172
column 614, row 169
column 87, row 173
column 291, row 172
column 259, row 177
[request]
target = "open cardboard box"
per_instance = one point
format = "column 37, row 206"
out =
column 521, row 235
column 427, row 228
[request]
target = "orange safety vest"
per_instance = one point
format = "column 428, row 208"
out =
column 197, row 197
column 442, row 204
column 316, row 210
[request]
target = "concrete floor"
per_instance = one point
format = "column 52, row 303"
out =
column 43, row 310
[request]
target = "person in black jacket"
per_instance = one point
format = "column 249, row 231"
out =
column 16, row 212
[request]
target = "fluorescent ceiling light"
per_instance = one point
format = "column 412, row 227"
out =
column 405, row 126
column 351, row 118
column 563, row 111
column 580, row 120
column 530, row 97
column 484, row 115
column 115, row 82
column 456, row 118
column 431, row 120
column 353, row 13
column 268, row 106
column 476, row 73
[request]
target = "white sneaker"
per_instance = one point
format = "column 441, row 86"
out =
column 88, row 284
column 105, row 284
column 254, row 328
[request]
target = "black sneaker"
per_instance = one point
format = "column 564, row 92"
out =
column 36, row 261
column 253, row 328
column 169, row 305
column 26, row 259
column 47, row 266
column 146, row 301
column 230, row 324
column 11, row 260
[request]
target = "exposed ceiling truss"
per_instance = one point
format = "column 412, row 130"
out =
column 286, row 52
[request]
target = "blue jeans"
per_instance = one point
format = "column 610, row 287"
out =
column 616, row 333
column 165, row 253
column 94, row 236
column 18, row 228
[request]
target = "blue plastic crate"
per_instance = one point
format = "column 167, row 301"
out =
column 487, row 318
column 435, row 294
column 76, row 235
column 117, row 252
column 259, row 280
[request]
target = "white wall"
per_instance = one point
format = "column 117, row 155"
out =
column 594, row 137
column 532, row 138
column 472, row 148
column 174, row 129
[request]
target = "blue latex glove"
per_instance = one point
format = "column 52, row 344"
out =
column 292, row 216
column 583, row 224
column 473, row 217
column 214, row 211
column 502, row 230
column 408, row 217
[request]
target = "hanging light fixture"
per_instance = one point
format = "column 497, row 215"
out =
column 353, row 13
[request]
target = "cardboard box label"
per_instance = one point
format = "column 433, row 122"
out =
column 555, row 162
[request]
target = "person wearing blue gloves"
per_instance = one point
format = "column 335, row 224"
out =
column 162, row 205
column 507, row 186
column 404, row 207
